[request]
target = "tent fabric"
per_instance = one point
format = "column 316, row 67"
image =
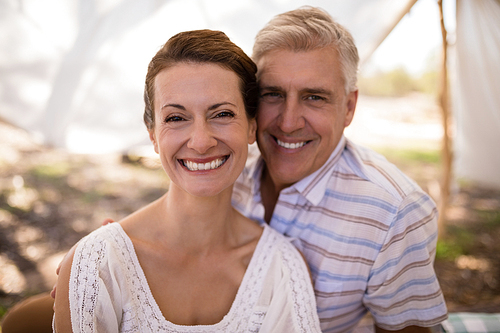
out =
column 477, row 96
column 72, row 71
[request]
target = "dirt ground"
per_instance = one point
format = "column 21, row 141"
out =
column 49, row 199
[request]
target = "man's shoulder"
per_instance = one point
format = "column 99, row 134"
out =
column 372, row 170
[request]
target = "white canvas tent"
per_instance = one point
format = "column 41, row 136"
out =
column 72, row 71
column 476, row 91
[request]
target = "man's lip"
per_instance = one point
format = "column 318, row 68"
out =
column 291, row 145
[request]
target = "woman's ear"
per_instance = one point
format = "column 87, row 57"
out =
column 252, row 130
column 153, row 139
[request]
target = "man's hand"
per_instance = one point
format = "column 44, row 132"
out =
column 70, row 254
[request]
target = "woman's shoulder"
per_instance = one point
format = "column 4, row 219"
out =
column 106, row 241
column 280, row 241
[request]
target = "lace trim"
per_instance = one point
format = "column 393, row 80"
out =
column 143, row 312
column 306, row 318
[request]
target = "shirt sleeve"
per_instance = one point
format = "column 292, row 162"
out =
column 403, row 289
column 93, row 294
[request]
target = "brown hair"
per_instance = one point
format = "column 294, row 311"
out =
column 202, row 46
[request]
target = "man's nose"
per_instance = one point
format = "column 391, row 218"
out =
column 201, row 137
column 291, row 116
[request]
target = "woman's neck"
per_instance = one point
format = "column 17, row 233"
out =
column 198, row 222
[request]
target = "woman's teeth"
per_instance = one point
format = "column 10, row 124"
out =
column 192, row 166
column 290, row 145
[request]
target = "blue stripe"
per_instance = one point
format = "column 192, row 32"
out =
column 409, row 284
column 349, row 323
column 407, row 251
column 438, row 309
column 413, row 206
column 326, row 275
column 362, row 199
column 325, row 232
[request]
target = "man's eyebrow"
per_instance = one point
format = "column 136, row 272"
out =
column 318, row 91
column 270, row 88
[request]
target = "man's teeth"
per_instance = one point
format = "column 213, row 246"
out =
column 291, row 145
column 192, row 166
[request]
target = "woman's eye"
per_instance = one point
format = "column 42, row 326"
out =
column 170, row 119
column 223, row 114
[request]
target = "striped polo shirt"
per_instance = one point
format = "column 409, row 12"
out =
column 368, row 233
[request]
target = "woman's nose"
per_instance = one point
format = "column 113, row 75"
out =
column 201, row 137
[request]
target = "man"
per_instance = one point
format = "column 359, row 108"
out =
column 367, row 231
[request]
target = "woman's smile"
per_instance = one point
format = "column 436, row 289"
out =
column 209, row 165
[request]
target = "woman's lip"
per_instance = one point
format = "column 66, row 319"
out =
column 203, row 164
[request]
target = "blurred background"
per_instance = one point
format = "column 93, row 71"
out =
column 74, row 150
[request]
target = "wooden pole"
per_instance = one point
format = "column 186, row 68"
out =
column 447, row 154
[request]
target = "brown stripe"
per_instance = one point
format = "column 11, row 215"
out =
column 347, row 176
column 335, row 256
column 325, row 169
column 414, row 264
column 387, row 176
column 346, row 314
column 334, row 214
column 338, row 293
column 419, row 298
column 410, row 228
column 408, row 267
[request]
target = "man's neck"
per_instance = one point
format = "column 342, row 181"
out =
column 269, row 194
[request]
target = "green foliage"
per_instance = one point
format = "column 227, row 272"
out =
column 55, row 170
column 403, row 157
column 491, row 218
column 458, row 241
column 448, row 250
column 398, row 83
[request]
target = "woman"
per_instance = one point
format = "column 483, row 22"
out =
column 189, row 262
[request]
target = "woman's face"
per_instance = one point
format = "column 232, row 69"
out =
column 201, row 130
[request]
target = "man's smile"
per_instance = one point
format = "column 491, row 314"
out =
column 293, row 145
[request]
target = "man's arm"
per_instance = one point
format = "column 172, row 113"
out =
column 409, row 329
column 61, row 305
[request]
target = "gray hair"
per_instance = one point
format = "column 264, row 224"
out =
column 308, row 28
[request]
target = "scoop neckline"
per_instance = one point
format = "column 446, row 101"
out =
column 238, row 299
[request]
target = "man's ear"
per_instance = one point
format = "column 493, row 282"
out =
column 153, row 139
column 252, row 131
column 352, row 100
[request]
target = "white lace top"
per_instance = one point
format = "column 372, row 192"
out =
column 109, row 291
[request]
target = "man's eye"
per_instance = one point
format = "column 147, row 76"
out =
column 271, row 97
column 315, row 98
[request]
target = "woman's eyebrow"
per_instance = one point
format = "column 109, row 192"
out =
column 217, row 105
column 173, row 105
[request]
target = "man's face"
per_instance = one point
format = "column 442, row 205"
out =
column 303, row 110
